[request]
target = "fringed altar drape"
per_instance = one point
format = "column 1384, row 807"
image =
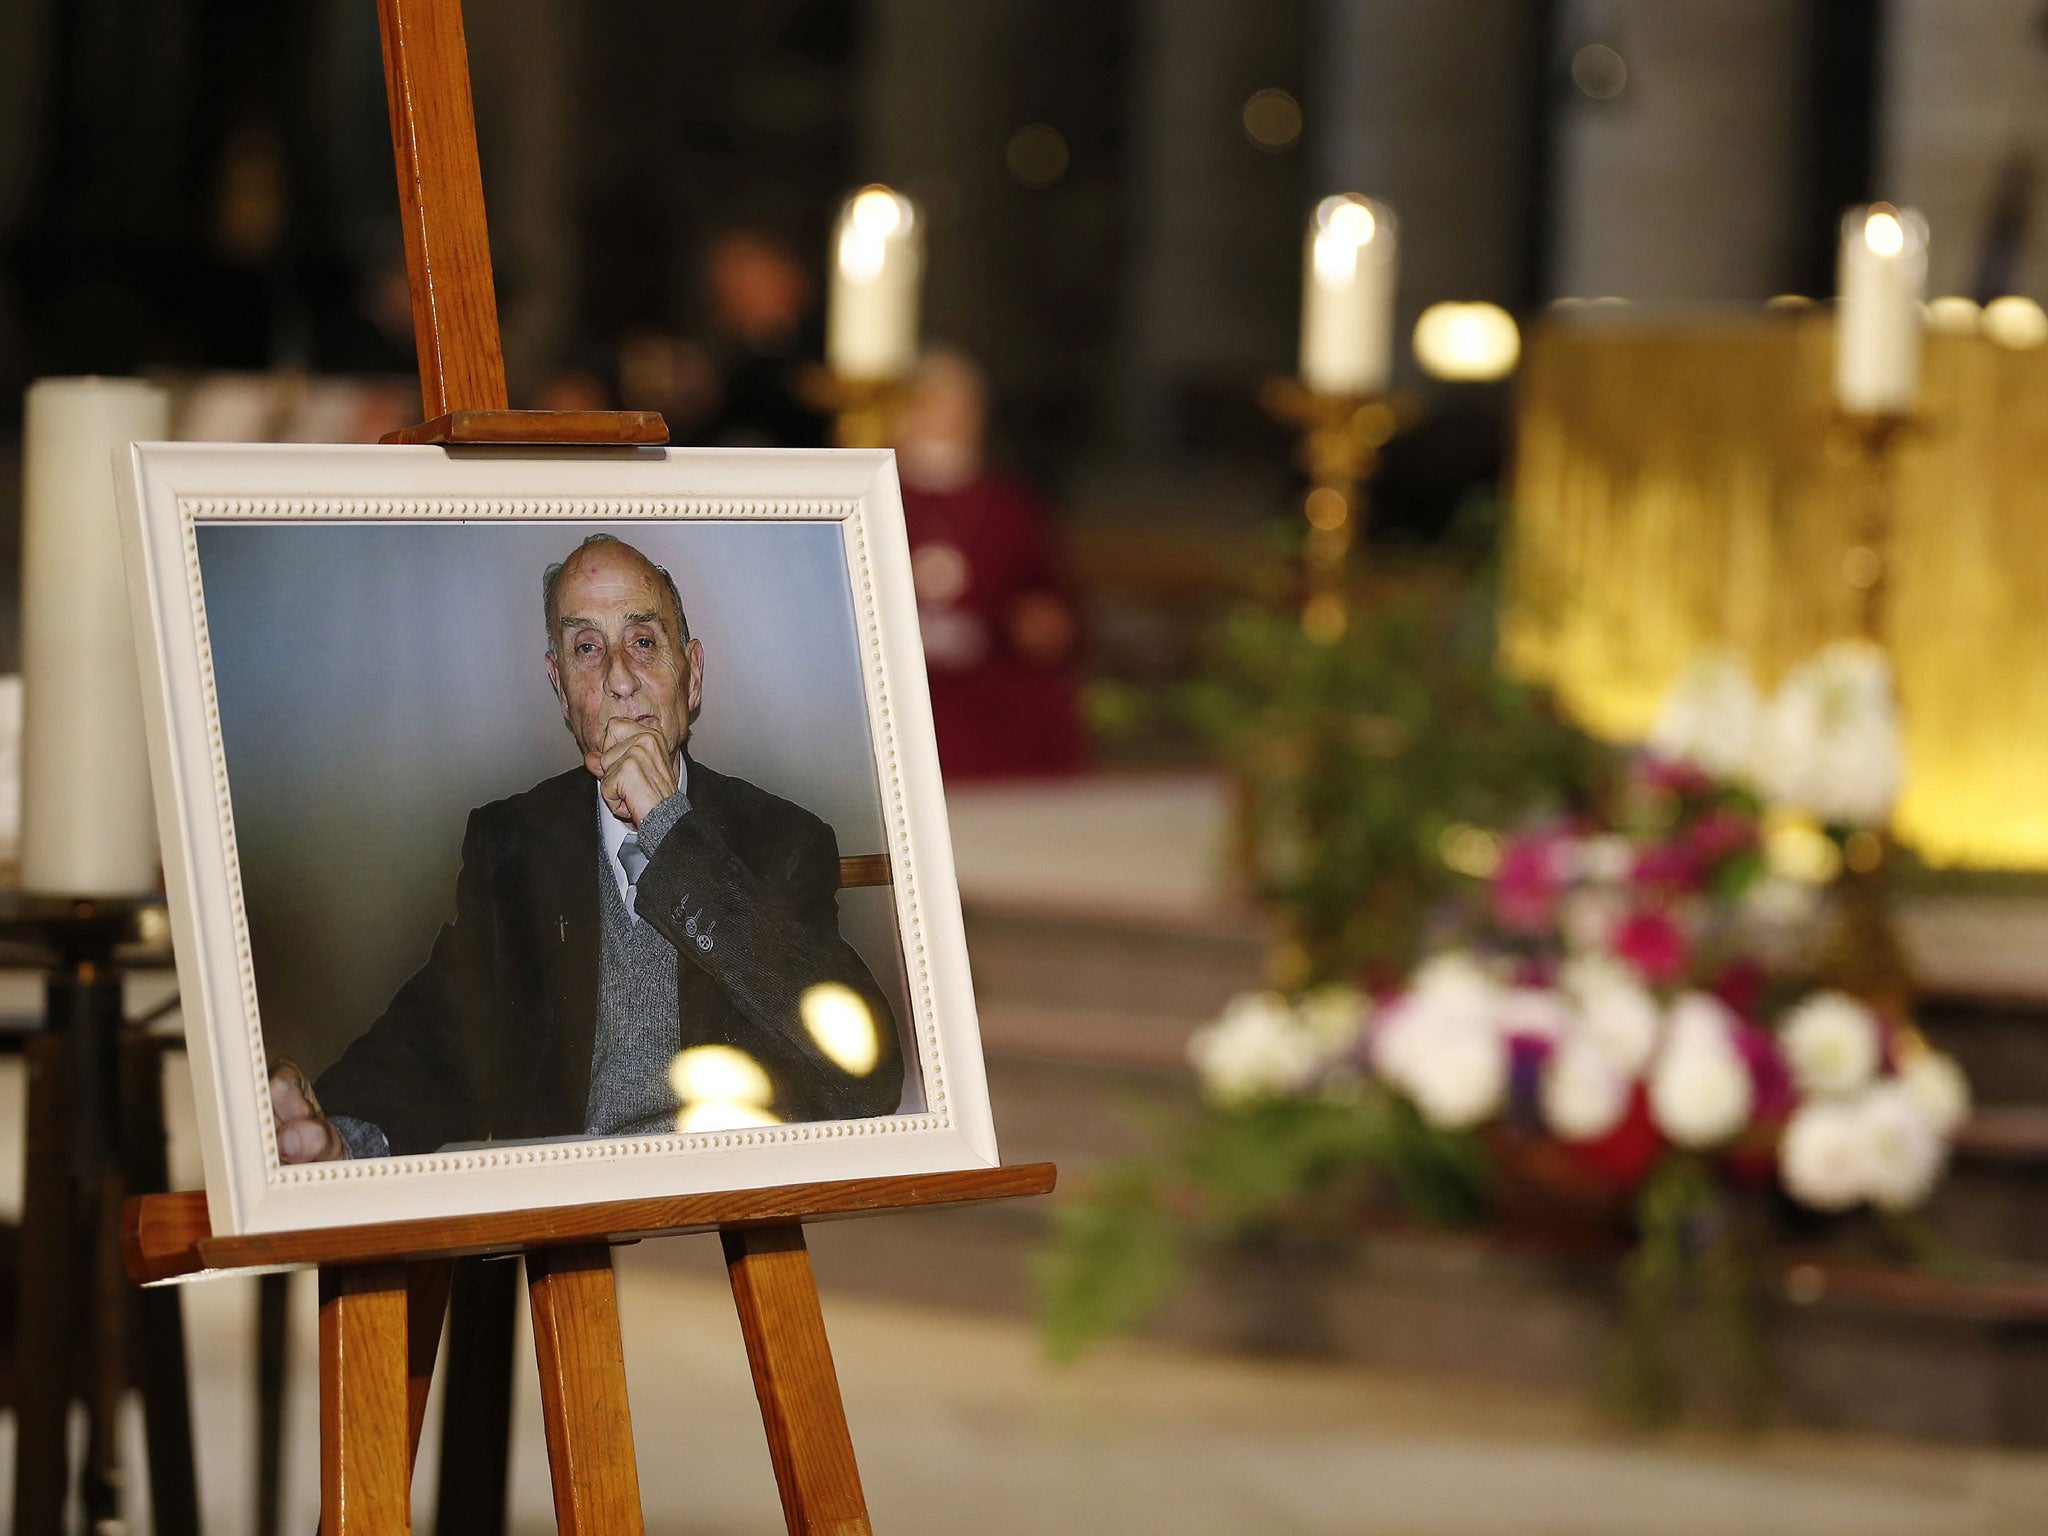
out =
column 1677, row 487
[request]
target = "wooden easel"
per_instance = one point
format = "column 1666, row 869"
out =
column 384, row 1288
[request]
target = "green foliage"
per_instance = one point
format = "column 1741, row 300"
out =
column 1358, row 755
column 1283, row 1168
column 1114, row 1258
column 1689, row 1256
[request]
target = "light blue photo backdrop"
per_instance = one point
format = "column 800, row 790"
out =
column 379, row 680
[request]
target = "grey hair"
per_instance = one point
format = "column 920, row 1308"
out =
column 551, row 578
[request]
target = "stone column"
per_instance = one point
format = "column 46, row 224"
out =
column 1214, row 264
column 1684, row 187
column 1965, row 131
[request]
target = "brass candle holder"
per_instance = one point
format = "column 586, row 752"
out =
column 1865, row 956
column 1869, row 441
column 1341, row 438
column 863, row 411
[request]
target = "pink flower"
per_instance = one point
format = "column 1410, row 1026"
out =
column 1655, row 945
column 1741, row 986
column 1672, row 866
column 1721, row 834
column 1769, row 1075
column 1530, row 881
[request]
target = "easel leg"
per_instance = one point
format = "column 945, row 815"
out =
column 476, row 1405
column 365, row 1463
column 574, row 1300
column 770, row 1270
column 47, row 1302
column 108, row 1335
column 166, row 1389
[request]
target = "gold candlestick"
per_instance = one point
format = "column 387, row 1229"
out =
column 863, row 411
column 1864, row 955
column 1869, row 440
column 1341, row 438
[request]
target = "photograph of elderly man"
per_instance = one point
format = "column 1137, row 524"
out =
column 641, row 944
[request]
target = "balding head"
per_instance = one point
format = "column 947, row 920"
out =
column 600, row 545
column 619, row 655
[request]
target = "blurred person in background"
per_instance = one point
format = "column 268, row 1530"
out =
column 742, row 387
column 999, row 629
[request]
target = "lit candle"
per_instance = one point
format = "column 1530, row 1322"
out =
column 88, row 828
column 1347, row 297
column 1882, row 279
column 877, row 268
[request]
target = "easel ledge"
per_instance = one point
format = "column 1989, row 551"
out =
column 168, row 1237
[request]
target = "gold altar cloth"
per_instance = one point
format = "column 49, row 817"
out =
column 1678, row 486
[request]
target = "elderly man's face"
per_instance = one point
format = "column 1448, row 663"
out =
column 617, row 652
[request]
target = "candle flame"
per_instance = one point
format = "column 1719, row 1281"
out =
column 1884, row 234
column 1348, row 219
column 878, row 213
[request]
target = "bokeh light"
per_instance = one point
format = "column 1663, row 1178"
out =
column 712, row 1115
column 1037, row 155
column 719, row 1074
column 1953, row 315
column 843, row 1026
column 1272, row 118
column 2016, row 322
column 1599, row 72
column 1467, row 342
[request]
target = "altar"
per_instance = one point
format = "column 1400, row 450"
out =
column 1678, row 486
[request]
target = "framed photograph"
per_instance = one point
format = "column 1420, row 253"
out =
column 547, row 828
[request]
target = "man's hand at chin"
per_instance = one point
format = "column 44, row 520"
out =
column 635, row 769
column 304, row 1133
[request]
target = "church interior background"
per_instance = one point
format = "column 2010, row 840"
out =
column 1510, row 872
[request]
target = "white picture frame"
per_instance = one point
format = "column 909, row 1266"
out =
column 174, row 494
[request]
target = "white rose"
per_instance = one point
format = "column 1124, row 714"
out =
column 1823, row 1160
column 1832, row 1042
column 1440, row 1044
column 1943, row 1092
column 1700, row 1092
column 1584, row 1095
column 1904, row 1151
column 1711, row 718
column 1830, row 743
column 1457, row 983
column 1456, row 1074
column 1256, row 1050
column 1615, row 1010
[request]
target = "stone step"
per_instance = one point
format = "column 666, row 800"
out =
column 1860, row 1345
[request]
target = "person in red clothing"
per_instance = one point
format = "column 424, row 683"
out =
column 999, row 630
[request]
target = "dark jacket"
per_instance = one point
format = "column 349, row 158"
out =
column 491, row 1039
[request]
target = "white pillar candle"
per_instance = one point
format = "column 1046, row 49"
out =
column 1347, row 297
column 88, row 827
column 1882, row 279
column 877, row 269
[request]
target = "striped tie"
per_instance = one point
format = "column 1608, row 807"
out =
column 631, row 858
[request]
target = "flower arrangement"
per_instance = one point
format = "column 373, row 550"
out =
column 1635, row 1000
